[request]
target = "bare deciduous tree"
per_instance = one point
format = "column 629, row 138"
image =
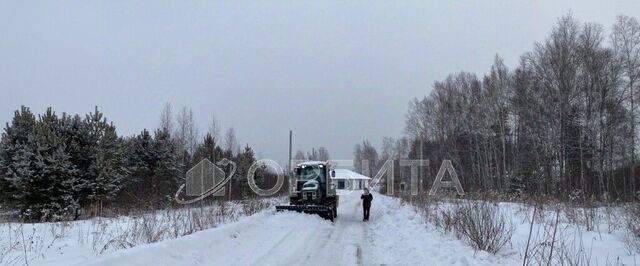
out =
column 626, row 44
column 186, row 134
column 214, row 128
column 166, row 118
column 561, row 123
column 323, row 154
column 231, row 142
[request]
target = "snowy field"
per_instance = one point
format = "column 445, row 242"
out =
column 397, row 234
column 74, row 243
column 567, row 235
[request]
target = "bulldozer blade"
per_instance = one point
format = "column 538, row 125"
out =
column 323, row 211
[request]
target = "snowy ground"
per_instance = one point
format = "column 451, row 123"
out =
column 396, row 235
column 602, row 242
column 70, row 243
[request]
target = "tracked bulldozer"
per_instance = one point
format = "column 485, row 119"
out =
column 312, row 190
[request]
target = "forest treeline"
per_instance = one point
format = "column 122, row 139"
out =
column 562, row 123
column 58, row 167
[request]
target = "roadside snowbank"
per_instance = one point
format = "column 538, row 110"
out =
column 67, row 243
column 395, row 235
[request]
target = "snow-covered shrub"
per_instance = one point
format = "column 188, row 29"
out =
column 482, row 225
column 612, row 218
column 584, row 217
column 423, row 204
column 251, row 207
column 632, row 222
column 446, row 219
column 152, row 227
column 555, row 243
column 479, row 223
column 572, row 252
column 20, row 244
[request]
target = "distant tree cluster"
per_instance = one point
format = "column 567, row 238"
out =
column 319, row 154
column 56, row 167
column 367, row 161
column 562, row 123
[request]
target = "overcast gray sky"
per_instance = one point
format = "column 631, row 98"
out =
column 334, row 72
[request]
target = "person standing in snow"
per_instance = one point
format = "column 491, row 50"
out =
column 366, row 203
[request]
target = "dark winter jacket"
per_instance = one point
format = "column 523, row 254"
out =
column 366, row 199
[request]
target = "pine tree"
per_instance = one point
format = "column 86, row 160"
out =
column 154, row 169
column 92, row 131
column 168, row 168
column 110, row 167
column 208, row 149
column 139, row 163
column 244, row 160
column 45, row 177
column 79, row 145
column 14, row 139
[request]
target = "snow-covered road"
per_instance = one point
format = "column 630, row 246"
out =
column 396, row 235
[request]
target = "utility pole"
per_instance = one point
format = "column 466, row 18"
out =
column 289, row 171
column 290, row 144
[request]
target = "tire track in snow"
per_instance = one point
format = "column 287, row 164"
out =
column 347, row 240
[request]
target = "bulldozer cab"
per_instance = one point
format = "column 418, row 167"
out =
column 318, row 171
column 308, row 172
column 312, row 190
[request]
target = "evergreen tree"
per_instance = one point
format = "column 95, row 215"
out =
column 154, row 170
column 244, row 160
column 110, row 167
column 167, row 173
column 45, row 177
column 14, row 139
column 79, row 145
column 208, row 149
column 139, row 163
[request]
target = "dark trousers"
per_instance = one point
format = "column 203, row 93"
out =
column 365, row 212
